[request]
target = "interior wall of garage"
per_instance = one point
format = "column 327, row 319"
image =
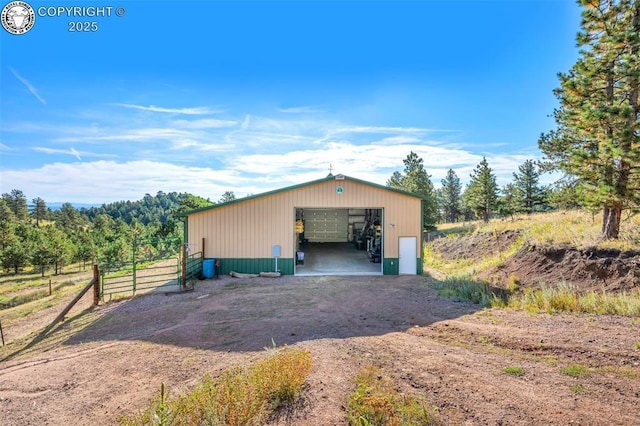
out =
column 242, row 233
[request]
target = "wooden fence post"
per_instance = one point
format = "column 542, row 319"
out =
column 1, row 333
column 96, row 285
column 49, row 286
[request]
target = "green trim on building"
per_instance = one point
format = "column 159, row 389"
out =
column 255, row 266
column 301, row 185
column 390, row 266
column 419, row 266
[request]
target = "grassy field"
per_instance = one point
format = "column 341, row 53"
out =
column 577, row 228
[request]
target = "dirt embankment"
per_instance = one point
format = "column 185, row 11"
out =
column 533, row 265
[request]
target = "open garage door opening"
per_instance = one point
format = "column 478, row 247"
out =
column 339, row 241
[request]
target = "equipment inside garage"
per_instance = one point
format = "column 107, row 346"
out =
column 345, row 241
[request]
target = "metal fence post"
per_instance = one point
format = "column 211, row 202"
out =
column 184, row 265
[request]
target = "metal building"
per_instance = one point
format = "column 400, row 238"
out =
column 337, row 225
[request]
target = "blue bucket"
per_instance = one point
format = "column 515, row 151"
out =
column 208, row 268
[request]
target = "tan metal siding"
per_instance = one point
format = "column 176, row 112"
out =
column 248, row 229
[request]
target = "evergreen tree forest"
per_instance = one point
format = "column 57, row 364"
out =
column 482, row 198
column 33, row 235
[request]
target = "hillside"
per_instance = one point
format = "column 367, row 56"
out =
column 544, row 249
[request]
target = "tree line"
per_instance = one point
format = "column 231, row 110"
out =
column 481, row 198
column 34, row 235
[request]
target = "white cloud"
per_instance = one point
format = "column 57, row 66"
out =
column 186, row 111
column 28, row 85
column 106, row 181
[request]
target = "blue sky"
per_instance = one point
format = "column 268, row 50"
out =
column 207, row 97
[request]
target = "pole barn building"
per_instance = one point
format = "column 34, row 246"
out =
column 337, row 225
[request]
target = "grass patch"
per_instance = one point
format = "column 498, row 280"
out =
column 376, row 402
column 637, row 345
column 578, row 389
column 514, row 371
column 240, row 396
column 576, row 370
column 545, row 299
column 566, row 299
column 465, row 288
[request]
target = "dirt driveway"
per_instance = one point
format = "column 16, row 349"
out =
column 109, row 361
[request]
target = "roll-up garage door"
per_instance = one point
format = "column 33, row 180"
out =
column 326, row 225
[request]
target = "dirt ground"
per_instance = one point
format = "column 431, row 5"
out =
column 105, row 362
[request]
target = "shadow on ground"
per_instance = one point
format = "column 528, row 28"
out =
column 251, row 314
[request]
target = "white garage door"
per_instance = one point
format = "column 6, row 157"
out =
column 326, row 226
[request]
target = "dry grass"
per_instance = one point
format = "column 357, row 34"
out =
column 578, row 228
column 376, row 402
column 239, row 396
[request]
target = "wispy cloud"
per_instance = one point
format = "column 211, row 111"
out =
column 75, row 153
column 246, row 121
column 4, row 147
column 383, row 129
column 72, row 151
column 206, row 123
column 185, row 111
column 301, row 110
column 28, row 85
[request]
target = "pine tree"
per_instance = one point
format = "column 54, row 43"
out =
column 451, row 196
column 39, row 211
column 481, row 194
column 17, row 203
column 227, row 196
column 528, row 193
column 415, row 179
column 598, row 134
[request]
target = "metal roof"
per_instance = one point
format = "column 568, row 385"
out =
column 330, row 177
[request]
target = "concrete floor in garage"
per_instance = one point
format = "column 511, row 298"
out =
column 336, row 259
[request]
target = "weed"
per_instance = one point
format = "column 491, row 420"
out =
column 637, row 345
column 514, row 371
column 514, row 284
column 240, row 396
column 628, row 372
column 578, row 389
column 464, row 288
column 484, row 340
column 376, row 402
column 576, row 370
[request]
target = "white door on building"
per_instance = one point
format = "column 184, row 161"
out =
column 407, row 259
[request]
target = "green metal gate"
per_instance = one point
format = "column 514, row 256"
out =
column 155, row 263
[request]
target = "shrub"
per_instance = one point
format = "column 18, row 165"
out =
column 375, row 402
column 240, row 396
